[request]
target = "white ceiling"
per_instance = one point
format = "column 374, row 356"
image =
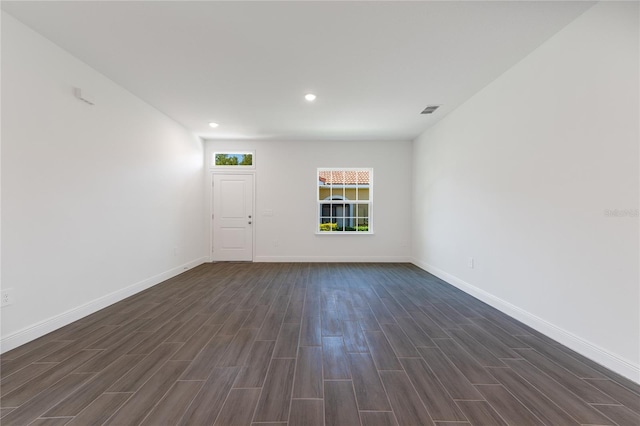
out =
column 246, row 65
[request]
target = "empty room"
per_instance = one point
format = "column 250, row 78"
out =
column 320, row 213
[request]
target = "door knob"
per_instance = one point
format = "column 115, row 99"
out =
column 249, row 216
column 249, row 222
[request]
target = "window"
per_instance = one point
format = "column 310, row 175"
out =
column 345, row 198
column 234, row 159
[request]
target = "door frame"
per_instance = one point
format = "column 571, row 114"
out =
column 210, row 220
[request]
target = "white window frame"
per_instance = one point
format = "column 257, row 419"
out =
column 238, row 167
column 355, row 202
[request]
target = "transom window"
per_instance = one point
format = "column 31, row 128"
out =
column 345, row 198
column 234, row 159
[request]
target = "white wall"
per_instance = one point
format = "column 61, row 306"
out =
column 286, row 182
column 95, row 198
column 520, row 176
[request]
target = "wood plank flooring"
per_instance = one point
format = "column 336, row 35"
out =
column 306, row 344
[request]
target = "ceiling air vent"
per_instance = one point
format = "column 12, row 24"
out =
column 430, row 109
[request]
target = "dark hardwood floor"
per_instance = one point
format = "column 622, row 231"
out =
column 306, row 344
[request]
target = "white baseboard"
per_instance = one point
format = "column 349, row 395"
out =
column 590, row 350
column 322, row 259
column 41, row 328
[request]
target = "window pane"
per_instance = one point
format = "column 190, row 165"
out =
column 340, row 210
column 350, row 193
column 363, row 193
column 337, row 177
column 233, row 159
column 349, row 224
column 362, row 177
column 363, row 211
column 337, row 192
column 327, row 227
column 324, row 192
column 326, row 210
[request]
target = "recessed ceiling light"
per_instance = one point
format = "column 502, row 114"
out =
column 310, row 97
column 214, row 125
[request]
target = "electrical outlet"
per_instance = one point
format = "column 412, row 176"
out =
column 470, row 262
column 6, row 297
column 275, row 243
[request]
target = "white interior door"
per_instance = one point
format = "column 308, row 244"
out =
column 232, row 217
